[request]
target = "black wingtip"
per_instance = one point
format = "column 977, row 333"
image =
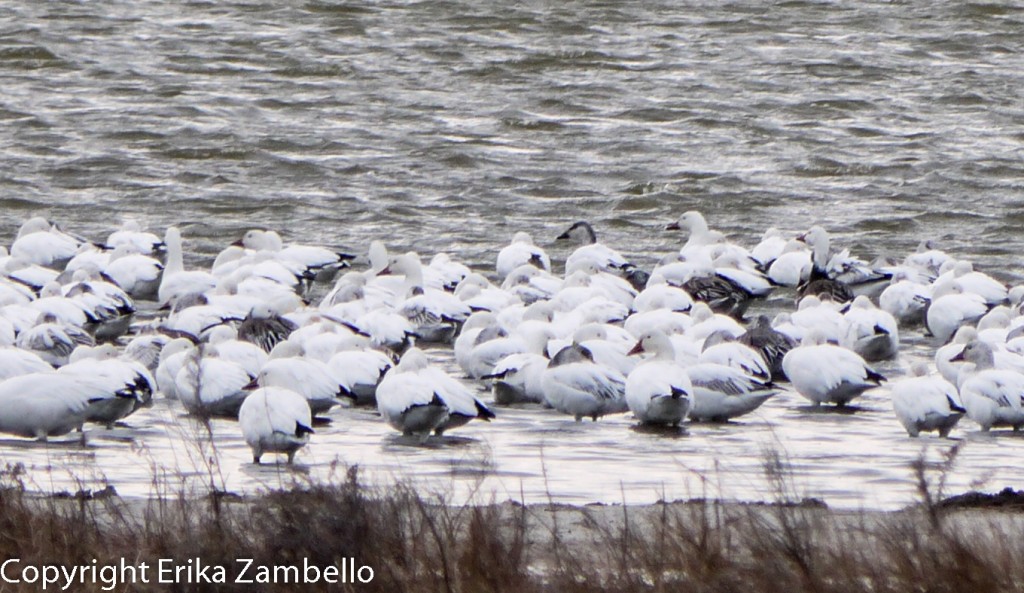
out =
column 301, row 429
column 483, row 412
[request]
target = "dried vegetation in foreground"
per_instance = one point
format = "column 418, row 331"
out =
column 417, row 542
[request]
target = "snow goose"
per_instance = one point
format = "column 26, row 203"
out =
column 739, row 356
column 701, row 237
column 991, row 396
column 658, row 391
column 517, row 377
column 247, row 355
column 793, row 266
column 574, row 384
column 772, row 245
column 145, row 349
column 15, row 362
column 983, row 285
column 530, row 284
column 659, row 294
column 312, row 260
column 265, row 327
column 41, row 243
column 209, row 386
column 134, row 239
column 905, row 299
column 520, row 252
column 839, row 266
column 771, row 344
column 14, row 293
column 707, row 322
column 815, row 313
column 359, row 373
column 407, row 400
column 138, row 275
column 51, row 302
column 448, row 270
column 480, row 295
column 108, row 309
column 468, row 333
column 870, row 332
column 176, row 281
column 173, row 356
column 605, row 258
column 825, row 373
column 435, row 315
column 310, row 378
column 53, row 341
column 28, row 274
column 417, row 398
column 491, row 345
column 924, row 402
column 927, row 259
column 721, row 392
column 720, row 293
column 125, row 384
column 275, row 420
column 41, row 405
column 952, row 307
column 613, row 287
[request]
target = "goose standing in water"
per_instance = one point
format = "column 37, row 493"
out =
column 574, row 384
column 991, row 396
column 825, row 373
column 209, row 386
column 435, row 315
column 870, row 332
column 275, row 420
column 924, row 402
column 41, row 405
column 658, row 391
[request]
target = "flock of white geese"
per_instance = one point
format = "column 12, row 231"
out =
column 670, row 344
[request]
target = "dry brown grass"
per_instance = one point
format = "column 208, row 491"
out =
column 417, row 542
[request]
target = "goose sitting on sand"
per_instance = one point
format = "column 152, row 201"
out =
column 825, row 373
column 925, row 403
column 658, row 391
column 275, row 420
column 991, row 396
column 574, row 384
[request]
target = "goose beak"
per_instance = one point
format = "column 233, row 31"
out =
column 636, row 349
column 237, row 243
column 959, row 357
column 385, row 272
column 563, row 236
column 802, row 237
column 673, row 226
column 252, row 385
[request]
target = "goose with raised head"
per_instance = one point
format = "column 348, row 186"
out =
column 825, row 373
column 435, row 315
column 605, row 258
column 176, row 281
column 209, row 386
column 925, row 403
column 658, row 391
column 275, row 420
column 993, row 397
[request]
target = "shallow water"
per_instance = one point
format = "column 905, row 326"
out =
column 449, row 125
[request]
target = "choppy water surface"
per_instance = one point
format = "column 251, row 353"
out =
column 450, row 125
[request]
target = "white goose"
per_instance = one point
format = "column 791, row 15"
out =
column 53, row 341
column 176, row 281
column 134, row 239
column 520, row 252
column 721, row 392
column 824, row 373
column 952, row 307
column 574, row 384
column 924, row 402
column 870, row 332
column 658, row 391
column 605, row 258
column 41, row 243
column 359, row 373
column 991, row 396
column 517, row 377
column 434, row 314
column 207, row 385
column 275, row 420
column 793, row 266
column 126, row 384
column 310, row 378
column 41, row 405
column 905, row 299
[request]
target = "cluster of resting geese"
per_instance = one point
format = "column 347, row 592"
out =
column 242, row 340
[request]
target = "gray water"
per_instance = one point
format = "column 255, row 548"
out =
column 451, row 125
